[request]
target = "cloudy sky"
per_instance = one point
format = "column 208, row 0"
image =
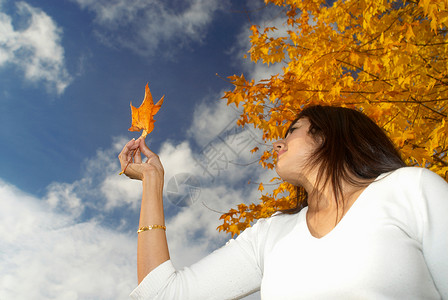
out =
column 68, row 71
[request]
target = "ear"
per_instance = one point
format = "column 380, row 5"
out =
column 317, row 137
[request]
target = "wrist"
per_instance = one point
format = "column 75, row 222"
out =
column 153, row 178
column 152, row 174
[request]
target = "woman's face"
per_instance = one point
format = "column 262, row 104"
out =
column 294, row 151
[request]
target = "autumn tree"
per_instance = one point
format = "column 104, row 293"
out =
column 387, row 59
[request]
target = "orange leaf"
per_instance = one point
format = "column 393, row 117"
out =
column 254, row 150
column 143, row 117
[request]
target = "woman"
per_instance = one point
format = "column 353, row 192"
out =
column 371, row 227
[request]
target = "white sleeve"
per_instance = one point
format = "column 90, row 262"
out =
column 230, row 272
column 435, row 235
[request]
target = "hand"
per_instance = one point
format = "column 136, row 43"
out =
column 131, row 154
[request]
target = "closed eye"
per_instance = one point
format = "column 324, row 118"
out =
column 291, row 130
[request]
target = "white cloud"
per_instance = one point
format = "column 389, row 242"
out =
column 35, row 49
column 151, row 22
column 176, row 158
column 62, row 196
column 46, row 255
column 120, row 191
column 209, row 120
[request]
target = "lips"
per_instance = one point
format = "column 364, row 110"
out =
column 280, row 152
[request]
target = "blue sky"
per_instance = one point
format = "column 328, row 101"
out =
column 68, row 71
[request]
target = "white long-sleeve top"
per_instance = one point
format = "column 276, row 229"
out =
column 391, row 244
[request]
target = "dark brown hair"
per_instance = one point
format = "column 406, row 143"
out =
column 352, row 149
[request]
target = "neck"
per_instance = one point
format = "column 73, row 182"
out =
column 323, row 200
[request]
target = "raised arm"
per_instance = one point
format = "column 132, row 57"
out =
column 228, row 273
column 152, row 247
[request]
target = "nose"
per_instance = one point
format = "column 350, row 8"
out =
column 279, row 145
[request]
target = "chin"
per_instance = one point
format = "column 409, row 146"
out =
column 289, row 178
column 278, row 171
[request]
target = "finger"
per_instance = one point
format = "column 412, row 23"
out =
column 125, row 149
column 135, row 145
column 125, row 154
column 137, row 156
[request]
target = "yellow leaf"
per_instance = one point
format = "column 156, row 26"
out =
column 143, row 117
column 409, row 33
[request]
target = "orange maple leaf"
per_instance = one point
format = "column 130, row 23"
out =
column 143, row 117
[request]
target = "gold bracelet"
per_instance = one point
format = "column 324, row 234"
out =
column 150, row 227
